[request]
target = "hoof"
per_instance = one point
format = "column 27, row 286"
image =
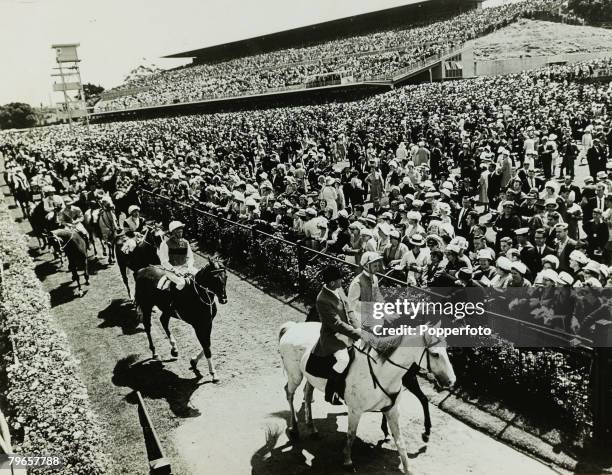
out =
column 425, row 437
column 87, row 283
column 348, row 467
column 315, row 435
column 174, row 353
column 215, row 378
column 155, row 357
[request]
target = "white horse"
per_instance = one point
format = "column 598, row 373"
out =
column 373, row 382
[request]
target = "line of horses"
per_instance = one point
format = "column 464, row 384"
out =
column 196, row 303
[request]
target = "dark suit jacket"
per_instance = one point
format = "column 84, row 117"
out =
column 564, row 254
column 532, row 259
column 335, row 318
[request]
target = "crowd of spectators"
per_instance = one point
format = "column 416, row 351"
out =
column 466, row 183
column 379, row 54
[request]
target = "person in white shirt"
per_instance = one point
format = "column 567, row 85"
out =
column 416, row 260
column 175, row 252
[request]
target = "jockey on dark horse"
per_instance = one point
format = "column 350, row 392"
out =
column 133, row 224
column 175, row 253
column 51, row 202
column 72, row 216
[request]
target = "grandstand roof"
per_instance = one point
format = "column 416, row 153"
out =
column 343, row 27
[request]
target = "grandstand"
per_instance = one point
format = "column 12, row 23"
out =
column 375, row 52
column 357, row 25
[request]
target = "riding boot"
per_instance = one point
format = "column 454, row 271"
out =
column 334, row 389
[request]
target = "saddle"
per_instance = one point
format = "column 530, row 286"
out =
column 321, row 366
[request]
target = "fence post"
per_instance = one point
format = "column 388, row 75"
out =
column 601, row 374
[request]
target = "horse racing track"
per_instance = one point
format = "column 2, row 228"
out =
column 237, row 426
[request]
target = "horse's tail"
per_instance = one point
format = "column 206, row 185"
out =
column 283, row 329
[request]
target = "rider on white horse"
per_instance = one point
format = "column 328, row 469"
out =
column 175, row 253
column 339, row 328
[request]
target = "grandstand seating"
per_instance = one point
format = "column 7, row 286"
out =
column 378, row 55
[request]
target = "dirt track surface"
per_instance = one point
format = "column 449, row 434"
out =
column 236, row 426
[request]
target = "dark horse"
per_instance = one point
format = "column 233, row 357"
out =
column 194, row 304
column 75, row 248
column 143, row 255
column 23, row 197
column 42, row 227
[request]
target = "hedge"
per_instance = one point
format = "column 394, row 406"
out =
column 537, row 382
column 50, row 411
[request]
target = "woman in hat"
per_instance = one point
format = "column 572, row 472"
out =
column 133, row 224
column 415, row 261
column 518, row 271
column 175, row 252
column 502, row 273
column 353, row 249
column 395, row 250
column 330, row 196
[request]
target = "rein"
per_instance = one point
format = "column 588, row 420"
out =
column 211, row 298
column 62, row 247
column 376, row 382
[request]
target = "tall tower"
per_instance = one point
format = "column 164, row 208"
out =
column 73, row 106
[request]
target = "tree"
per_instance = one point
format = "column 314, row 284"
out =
column 92, row 93
column 592, row 10
column 17, row 115
column 92, row 90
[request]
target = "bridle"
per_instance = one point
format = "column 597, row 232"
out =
column 412, row 369
column 62, row 247
column 209, row 301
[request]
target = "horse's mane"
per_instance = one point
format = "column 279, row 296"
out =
column 384, row 346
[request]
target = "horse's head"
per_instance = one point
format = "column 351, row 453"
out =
column 213, row 277
column 436, row 358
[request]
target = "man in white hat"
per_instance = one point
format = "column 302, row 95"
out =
column 175, row 252
column 364, row 287
column 51, row 202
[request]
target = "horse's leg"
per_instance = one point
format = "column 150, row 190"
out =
column 108, row 245
column 123, row 271
column 412, row 384
column 92, row 239
column 393, row 418
column 146, row 321
column 86, row 273
column 165, row 321
column 308, row 389
column 384, row 427
column 203, row 333
column 353, row 422
column 77, row 279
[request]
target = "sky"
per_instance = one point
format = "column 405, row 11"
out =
column 117, row 35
